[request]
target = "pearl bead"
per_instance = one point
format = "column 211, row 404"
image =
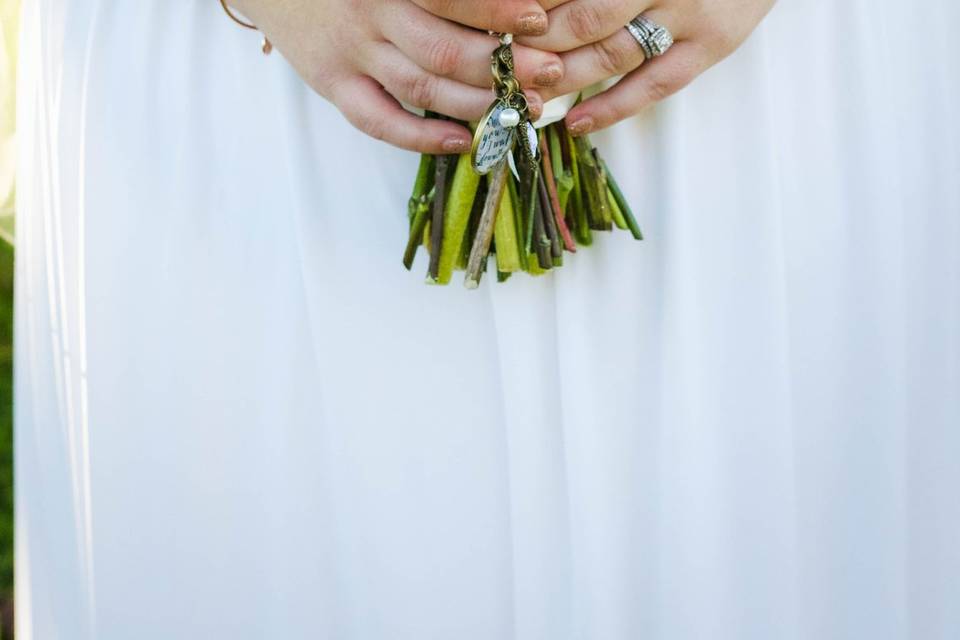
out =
column 509, row 118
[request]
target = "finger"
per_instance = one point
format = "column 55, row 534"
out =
column 453, row 51
column 578, row 23
column 372, row 110
column 613, row 56
column 654, row 81
column 534, row 104
column 521, row 17
column 407, row 82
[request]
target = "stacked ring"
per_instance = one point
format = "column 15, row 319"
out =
column 653, row 38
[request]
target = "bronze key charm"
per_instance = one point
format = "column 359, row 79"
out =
column 501, row 125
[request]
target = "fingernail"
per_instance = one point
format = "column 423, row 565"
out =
column 581, row 125
column 535, row 107
column 532, row 24
column 549, row 74
column 455, row 145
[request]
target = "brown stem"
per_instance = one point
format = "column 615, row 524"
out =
column 564, row 142
column 554, row 198
column 542, row 244
column 417, row 225
column 546, row 209
column 436, row 220
column 479, row 200
column 481, row 243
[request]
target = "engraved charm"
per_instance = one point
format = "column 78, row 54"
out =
column 492, row 140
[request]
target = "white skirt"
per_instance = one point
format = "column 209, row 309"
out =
column 238, row 416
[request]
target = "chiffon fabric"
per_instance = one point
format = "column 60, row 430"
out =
column 238, row 416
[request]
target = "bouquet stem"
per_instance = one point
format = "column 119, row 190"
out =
column 453, row 227
column 550, row 180
column 485, row 228
column 526, row 219
column 505, row 235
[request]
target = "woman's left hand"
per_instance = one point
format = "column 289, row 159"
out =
column 594, row 46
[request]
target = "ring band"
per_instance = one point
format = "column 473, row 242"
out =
column 654, row 39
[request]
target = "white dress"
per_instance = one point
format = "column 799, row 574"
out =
column 238, row 416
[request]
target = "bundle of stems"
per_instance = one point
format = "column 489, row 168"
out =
column 527, row 221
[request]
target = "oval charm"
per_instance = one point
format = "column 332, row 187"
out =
column 533, row 140
column 492, row 141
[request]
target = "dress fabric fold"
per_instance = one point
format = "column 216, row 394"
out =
column 237, row 415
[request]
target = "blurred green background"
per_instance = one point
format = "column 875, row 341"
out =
column 9, row 26
column 6, row 437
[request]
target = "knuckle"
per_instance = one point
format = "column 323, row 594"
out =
column 421, row 90
column 445, row 55
column 659, row 88
column 371, row 124
column 611, row 58
column 585, row 22
column 321, row 79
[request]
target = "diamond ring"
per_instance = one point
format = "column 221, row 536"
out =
column 653, row 38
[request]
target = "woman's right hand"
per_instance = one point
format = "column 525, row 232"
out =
column 366, row 55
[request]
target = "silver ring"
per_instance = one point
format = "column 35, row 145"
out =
column 654, row 39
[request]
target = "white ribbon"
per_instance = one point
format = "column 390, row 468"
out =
column 557, row 109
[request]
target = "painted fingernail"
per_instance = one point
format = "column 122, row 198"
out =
column 455, row 145
column 532, row 24
column 581, row 125
column 535, row 106
column 549, row 74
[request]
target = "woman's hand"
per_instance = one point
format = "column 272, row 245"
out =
column 366, row 55
column 596, row 46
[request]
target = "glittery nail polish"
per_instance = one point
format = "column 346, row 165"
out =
column 455, row 145
column 549, row 74
column 580, row 126
column 532, row 24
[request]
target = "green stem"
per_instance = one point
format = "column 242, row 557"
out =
column 556, row 151
column 618, row 218
column 580, row 222
column 622, row 203
column 423, row 183
column 598, row 214
column 530, row 204
column 601, row 179
column 457, row 216
column 420, row 218
column 505, row 234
